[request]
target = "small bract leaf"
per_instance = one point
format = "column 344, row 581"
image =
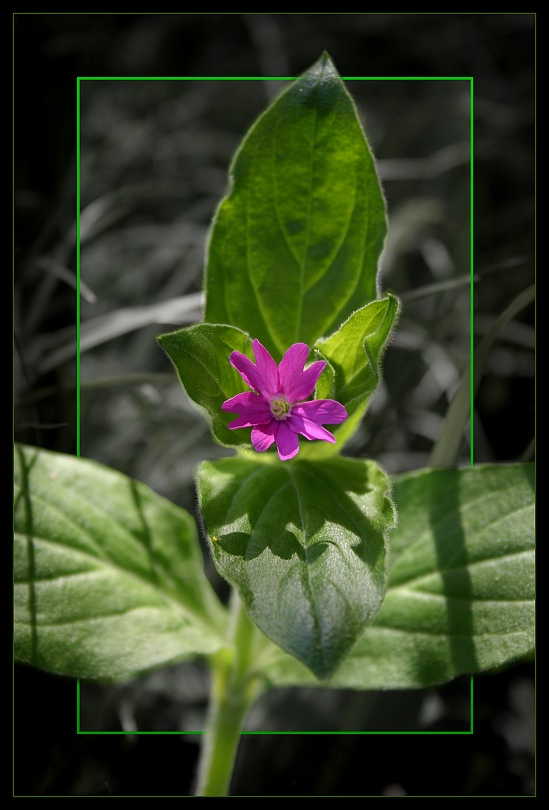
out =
column 200, row 355
column 109, row 579
column 295, row 246
column 305, row 545
column 355, row 352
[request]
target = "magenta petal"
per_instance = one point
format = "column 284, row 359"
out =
column 290, row 369
column 266, row 368
column 304, row 386
column 264, row 435
column 311, row 430
column 252, row 408
column 247, row 402
column 250, row 419
column 247, row 370
column 286, row 441
column 321, row 411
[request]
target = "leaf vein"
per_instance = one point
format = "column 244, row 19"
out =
column 463, row 567
column 120, row 571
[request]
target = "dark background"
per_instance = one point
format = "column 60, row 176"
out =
column 154, row 167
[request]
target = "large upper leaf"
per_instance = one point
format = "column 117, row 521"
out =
column 109, row 578
column 306, row 546
column 461, row 590
column 294, row 247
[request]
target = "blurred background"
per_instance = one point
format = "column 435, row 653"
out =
column 154, row 163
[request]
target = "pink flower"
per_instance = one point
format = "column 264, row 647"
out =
column 276, row 409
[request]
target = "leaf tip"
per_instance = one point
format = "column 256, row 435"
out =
column 324, row 68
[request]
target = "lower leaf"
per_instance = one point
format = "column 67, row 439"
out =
column 109, row 579
column 460, row 598
column 305, row 544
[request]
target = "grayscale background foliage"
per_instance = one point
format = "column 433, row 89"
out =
column 154, row 166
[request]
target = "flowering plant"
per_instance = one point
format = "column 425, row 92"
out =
column 110, row 579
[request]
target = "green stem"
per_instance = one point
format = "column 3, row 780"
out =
column 234, row 691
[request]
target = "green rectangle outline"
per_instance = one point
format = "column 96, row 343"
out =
column 469, row 79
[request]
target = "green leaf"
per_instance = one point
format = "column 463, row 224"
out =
column 200, row 355
column 461, row 590
column 354, row 354
column 356, row 349
column 305, row 545
column 109, row 578
column 294, row 247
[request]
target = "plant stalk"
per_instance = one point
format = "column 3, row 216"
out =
column 234, row 691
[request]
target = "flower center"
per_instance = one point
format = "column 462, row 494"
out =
column 280, row 407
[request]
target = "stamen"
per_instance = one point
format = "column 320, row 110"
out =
column 280, row 407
